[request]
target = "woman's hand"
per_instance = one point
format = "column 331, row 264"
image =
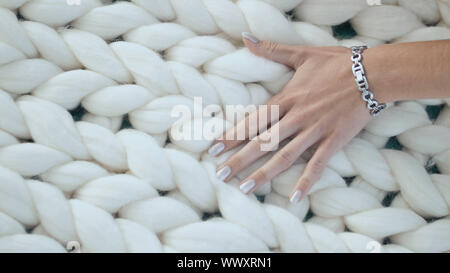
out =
column 321, row 106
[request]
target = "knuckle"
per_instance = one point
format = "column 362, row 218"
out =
column 300, row 116
column 287, row 98
column 262, row 175
column 318, row 165
column 304, row 183
column 267, row 141
column 301, row 55
column 257, row 141
column 236, row 162
column 271, row 47
column 261, row 139
column 296, row 60
column 284, row 158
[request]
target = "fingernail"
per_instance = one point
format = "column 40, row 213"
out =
column 216, row 149
column 247, row 186
column 250, row 37
column 296, row 196
column 223, row 173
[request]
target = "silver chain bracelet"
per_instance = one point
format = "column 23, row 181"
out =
column 361, row 81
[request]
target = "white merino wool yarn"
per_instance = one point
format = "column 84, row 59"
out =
column 88, row 142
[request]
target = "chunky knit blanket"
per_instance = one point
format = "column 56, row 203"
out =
column 88, row 162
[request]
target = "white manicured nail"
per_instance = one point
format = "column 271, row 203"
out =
column 296, row 196
column 216, row 149
column 247, row 186
column 250, row 37
column 223, row 173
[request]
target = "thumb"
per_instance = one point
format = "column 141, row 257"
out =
column 281, row 53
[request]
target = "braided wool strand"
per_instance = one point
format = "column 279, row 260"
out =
column 127, row 190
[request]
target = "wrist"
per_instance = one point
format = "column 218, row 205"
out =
column 381, row 73
column 373, row 104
